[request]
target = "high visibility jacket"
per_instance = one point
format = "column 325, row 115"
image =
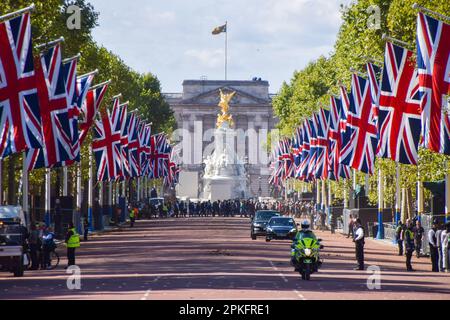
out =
column 74, row 240
column 131, row 213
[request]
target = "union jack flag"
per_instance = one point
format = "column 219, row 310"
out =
column 121, row 111
column 336, row 169
column 433, row 60
column 312, row 149
column 297, row 148
column 20, row 119
column 276, row 167
column 54, row 106
column 286, row 158
column 70, row 79
column 361, row 131
column 306, row 154
column 106, row 147
column 158, row 155
column 399, row 120
column 144, row 150
column 89, row 109
column 133, row 145
column 173, row 167
column 374, row 73
column 321, row 164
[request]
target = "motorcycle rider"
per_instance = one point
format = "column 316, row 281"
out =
column 305, row 232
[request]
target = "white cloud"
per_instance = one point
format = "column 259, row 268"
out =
column 207, row 58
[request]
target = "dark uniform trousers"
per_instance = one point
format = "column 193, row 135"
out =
column 409, row 254
column 434, row 254
column 400, row 247
column 360, row 253
column 71, row 256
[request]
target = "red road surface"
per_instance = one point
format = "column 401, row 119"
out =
column 214, row 258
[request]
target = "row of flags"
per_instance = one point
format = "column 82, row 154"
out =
column 47, row 110
column 388, row 113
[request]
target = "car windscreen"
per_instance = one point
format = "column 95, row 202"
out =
column 265, row 216
column 281, row 223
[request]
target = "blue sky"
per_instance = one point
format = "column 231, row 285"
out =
column 172, row 38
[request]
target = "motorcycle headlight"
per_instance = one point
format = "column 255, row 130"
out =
column 308, row 252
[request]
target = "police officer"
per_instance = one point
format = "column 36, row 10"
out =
column 409, row 244
column 73, row 242
column 399, row 237
column 359, row 244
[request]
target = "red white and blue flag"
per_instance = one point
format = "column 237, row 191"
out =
column 145, row 148
column 54, row 106
column 399, row 121
column 106, row 147
column 313, row 149
column 321, row 124
column 336, row 169
column 306, row 154
column 297, row 142
column 359, row 150
column 159, row 154
column 133, row 145
column 20, row 118
column 433, row 60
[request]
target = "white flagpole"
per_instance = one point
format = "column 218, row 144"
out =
column 65, row 182
column 380, row 234
column 110, row 202
column 447, row 194
column 77, row 214
column 420, row 206
column 26, row 210
column 90, row 191
column 226, row 50
column 48, row 218
column 138, row 191
column 397, row 194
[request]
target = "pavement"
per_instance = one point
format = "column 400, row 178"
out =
column 214, row 258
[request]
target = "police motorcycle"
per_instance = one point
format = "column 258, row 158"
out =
column 305, row 253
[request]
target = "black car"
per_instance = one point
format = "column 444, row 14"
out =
column 281, row 228
column 260, row 221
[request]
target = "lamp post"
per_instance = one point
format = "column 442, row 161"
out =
column 260, row 188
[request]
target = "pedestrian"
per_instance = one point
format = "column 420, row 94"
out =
column 359, row 244
column 48, row 245
column 34, row 243
column 445, row 237
column 418, row 237
column 433, row 249
column 409, row 244
column 73, row 242
column 85, row 228
column 399, row 237
column 439, row 231
column 350, row 227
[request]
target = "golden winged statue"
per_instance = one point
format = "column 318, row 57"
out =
column 224, row 103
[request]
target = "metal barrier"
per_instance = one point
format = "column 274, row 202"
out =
column 389, row 231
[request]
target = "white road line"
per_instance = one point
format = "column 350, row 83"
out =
column 147, row 293
column 284, row 278
column 299, row 295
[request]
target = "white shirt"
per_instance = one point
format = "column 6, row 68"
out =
column 359, row 233
column 444, row 239
column 431, row 235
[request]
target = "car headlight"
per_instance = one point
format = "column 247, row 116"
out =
column 269, row 229
column 308, row 252
column 293, row 230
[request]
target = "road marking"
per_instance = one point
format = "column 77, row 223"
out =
column 284, row 278
column 147, row 293
column 299, row 295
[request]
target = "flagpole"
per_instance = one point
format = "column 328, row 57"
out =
column 138, row 191
column 48, row 219
column 17, row 13
column 397, row 194
column 90, row 191
column 380, row 234
column 447, row 193
column 77, row 214
column 110, row 208
column 25, row 208
column 65, row 178
column 420, row 207
column 226, row 50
